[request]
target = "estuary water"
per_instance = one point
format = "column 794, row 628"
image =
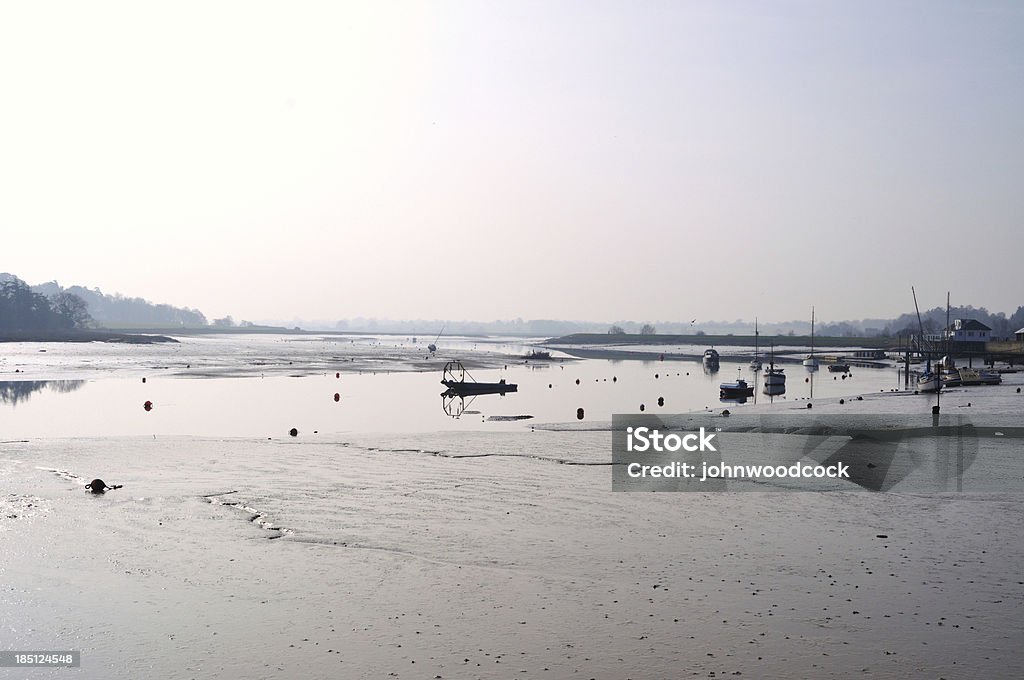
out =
column 390, row 539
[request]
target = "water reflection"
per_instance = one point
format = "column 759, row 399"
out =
column 17, row 391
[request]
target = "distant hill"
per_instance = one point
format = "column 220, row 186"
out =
column 117, row 311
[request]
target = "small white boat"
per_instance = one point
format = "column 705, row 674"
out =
column 774, row 378
column 929, row 382
column 755, row 363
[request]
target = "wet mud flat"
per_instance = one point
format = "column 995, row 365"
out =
column 490, row 555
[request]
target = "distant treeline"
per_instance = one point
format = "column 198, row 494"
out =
column 933, row 320
column 21, row 308
column 108, row 311
column 117, row 311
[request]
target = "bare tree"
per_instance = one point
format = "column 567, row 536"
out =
column 72, row 310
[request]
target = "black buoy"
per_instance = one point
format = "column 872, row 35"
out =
column 642, row 407
column 337, row 397
column 809, row 404
column 661, row 401
column 579, row 414
column 293, row 432
column 614, row 379
column 148, row 405
column 726, row 412
column 143, row 380
column 549, row 386
column 99, row 486
column 577, row 381
column 842, row 401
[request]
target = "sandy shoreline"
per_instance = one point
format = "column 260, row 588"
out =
column 401, row 562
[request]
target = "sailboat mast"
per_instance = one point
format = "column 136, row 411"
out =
column 812, row 331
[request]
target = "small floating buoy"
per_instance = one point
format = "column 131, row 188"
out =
column 148, row 405
column 859, row 398
column 337, row 397
column 293, row 432
column 143, row 380
column 726, row 412
column 655, row 376
column 809, row 404
column 661, row 401
column 842, row 401
column 338, row 374
column 577, row 381
column 642, row 407
column 579, row 414
column 614, row 379
column 549, row 386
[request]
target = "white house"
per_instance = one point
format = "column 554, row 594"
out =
column 968, row 330
column 1019, row 335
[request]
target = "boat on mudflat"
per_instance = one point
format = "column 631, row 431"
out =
column 966, row 377
column 735, row 390
column 710, row 359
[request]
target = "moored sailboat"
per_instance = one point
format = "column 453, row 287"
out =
column 811, row 362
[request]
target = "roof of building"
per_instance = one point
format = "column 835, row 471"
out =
column 969, row 325
column 1018, row 331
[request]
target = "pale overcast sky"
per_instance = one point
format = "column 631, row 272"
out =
column 483, row 160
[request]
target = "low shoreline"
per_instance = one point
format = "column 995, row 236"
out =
column 82, row 336
column 714, row 340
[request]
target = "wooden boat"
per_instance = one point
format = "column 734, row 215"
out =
column 839, row 368
column 966, row 377
column 710, row 359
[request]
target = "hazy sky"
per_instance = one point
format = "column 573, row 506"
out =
column 483, row 160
